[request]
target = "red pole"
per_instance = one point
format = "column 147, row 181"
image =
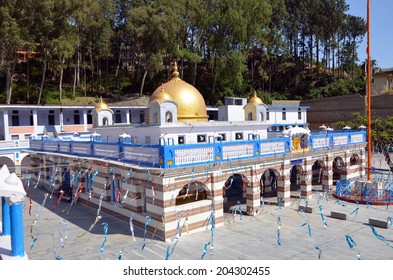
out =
column 368, row 95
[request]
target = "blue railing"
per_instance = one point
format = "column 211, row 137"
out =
column 171, row 156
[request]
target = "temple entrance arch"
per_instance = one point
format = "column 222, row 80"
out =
column 234, row 188
column 27, row 166
column 338, row 166
column 268, row 183
column 295, row 177
column 318, row 170
column 192, row 192
column 354, row 159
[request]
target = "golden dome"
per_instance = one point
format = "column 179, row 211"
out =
column 191, row 106
column 255, row 100
column 102, row 106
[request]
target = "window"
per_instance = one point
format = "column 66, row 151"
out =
column 250, row 116
column 105, row 121
column 15, row 120
column 201, row 138
column 238, row 135
column 76, row 117
column 51, row 119
column 31, row 120
column 14, row 137
column 284, row 115
column 141, row 117
column 238, row 102
column 223, row 136
column 27, row 136
column 89, row 118
column 118, row 117
column 262, row 117
column 299, row 114
column 147, row 140
column 181, row 140
column 267, row 115
column 168, row 117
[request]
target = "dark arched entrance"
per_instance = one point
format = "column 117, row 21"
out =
column 318, row 169
column 295, row 177
column 338, row 165
column 233, row 190
column 268, row 183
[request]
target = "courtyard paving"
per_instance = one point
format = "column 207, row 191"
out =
column 64, row 234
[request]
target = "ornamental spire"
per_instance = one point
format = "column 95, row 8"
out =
column 175, row 73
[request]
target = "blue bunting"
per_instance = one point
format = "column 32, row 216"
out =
column 350, row 241
column 380, row 237
column 279, row 231
column 323, row 217
column 148, row 219
column 168, row 251
column 105, row 235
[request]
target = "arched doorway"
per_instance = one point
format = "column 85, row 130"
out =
column 7, row 161
column 354, row 160
column 168, row 117
column 268, row 183
column 192, row 192
column 234, row 188
column 338, row 165
column 295, row 178
column 317, row 174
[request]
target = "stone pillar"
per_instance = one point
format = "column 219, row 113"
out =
column 35, row 120
column 283, row 191
column 305, row 186
column 128, row 117
column 7, row 135
column 85, row 120
column 253, row 196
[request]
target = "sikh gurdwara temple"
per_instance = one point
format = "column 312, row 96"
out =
column 178, row 170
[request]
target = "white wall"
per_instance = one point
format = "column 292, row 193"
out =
column 230, row 113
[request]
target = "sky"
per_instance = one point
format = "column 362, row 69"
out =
column 381, row 38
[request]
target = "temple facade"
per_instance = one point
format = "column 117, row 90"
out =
column 177, row 171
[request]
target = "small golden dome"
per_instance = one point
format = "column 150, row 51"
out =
column 255, row 100
column 191, row 106
column 102, row 106
column 162, row 96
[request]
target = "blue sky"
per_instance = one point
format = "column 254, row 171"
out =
column 381, row 42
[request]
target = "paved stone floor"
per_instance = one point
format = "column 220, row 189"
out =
column 241, row 238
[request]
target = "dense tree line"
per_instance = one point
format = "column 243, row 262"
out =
column 293, row 49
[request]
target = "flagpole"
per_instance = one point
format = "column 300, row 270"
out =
column 368, row 95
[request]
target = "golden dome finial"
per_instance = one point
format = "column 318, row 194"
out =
column 101, row 105
column 255, row 100
column 175, row 73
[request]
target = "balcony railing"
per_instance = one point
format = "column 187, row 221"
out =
column 170, row 156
